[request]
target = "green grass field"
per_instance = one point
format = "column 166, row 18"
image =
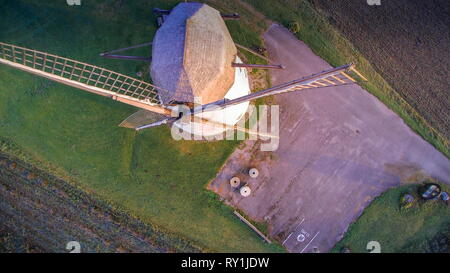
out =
column 75, row 134
column 397, row 230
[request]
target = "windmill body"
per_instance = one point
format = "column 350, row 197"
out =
column 192, row 57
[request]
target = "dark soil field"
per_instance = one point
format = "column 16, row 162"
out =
column 39, row 213
column 407, row 41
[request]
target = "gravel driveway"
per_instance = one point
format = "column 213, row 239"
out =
column 339, row 148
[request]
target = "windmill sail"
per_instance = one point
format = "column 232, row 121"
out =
column 142, row 118
column 84, row 76
column 332, row 77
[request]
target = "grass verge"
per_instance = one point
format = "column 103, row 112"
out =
column 398, row 230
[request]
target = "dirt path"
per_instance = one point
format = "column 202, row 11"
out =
column 339, row 148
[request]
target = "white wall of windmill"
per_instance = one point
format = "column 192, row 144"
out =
column 230, row 115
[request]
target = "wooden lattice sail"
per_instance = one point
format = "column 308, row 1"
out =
column 328, row 78
column 84, row 76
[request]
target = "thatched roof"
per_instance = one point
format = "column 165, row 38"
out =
column 192, row 55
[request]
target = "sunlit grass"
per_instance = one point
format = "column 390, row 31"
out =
column 75, row 134
column 396, row 230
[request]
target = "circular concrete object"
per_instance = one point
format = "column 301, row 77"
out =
column 301, row 237
column 253, row 172
column 235, row 182
column 245, row 191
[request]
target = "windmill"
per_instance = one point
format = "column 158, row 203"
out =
column 199, row 84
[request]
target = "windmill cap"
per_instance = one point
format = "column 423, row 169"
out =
column 192, row 55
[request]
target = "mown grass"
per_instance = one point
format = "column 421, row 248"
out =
column 75, row 135
column 397, row 230
column 327, row 42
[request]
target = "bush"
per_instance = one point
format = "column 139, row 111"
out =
column 294, row 27
column 407, row 201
